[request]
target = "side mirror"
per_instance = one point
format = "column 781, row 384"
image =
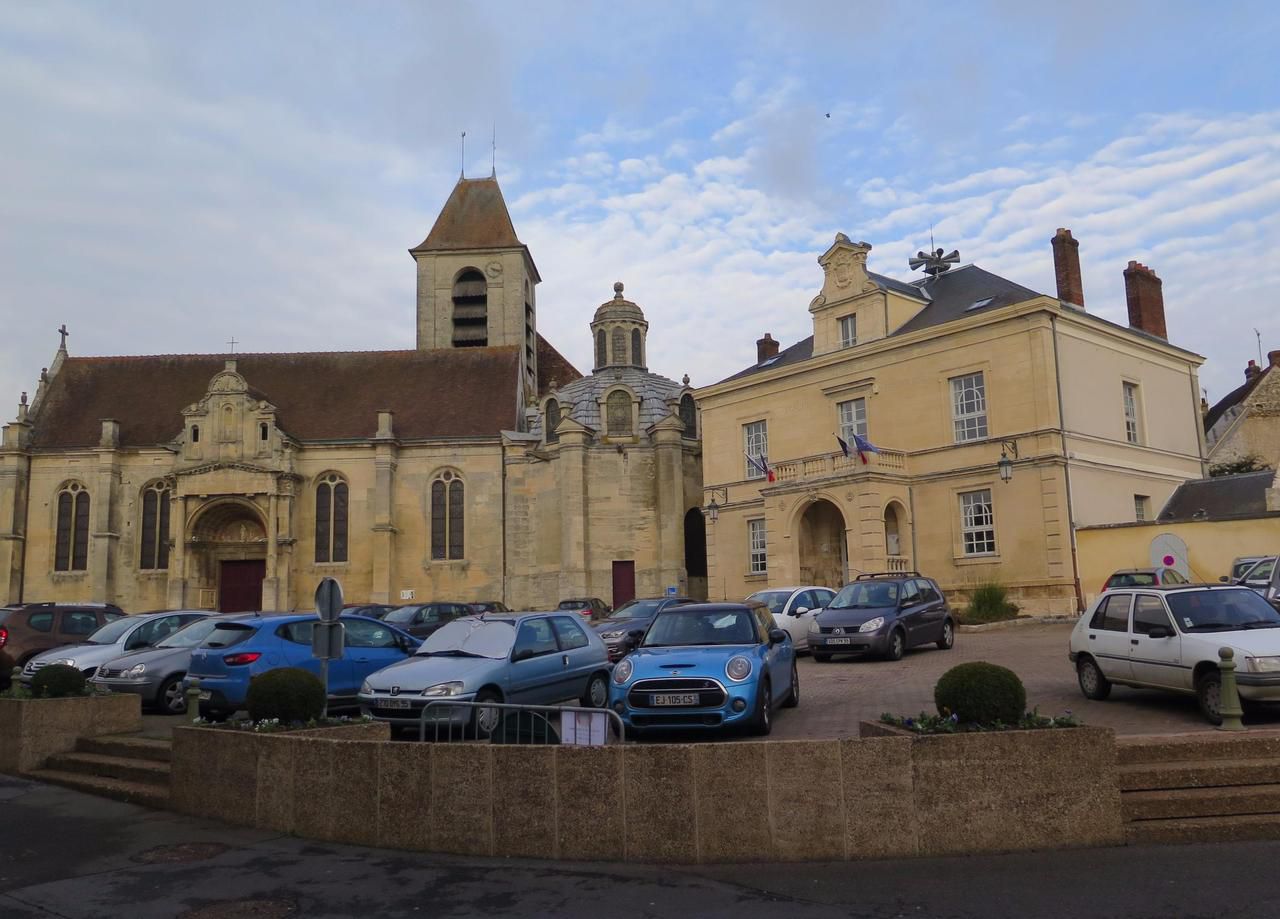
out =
column 800, row 611
column 777, row 636
column 1224, row 579
column 522, row 655
column 1160, row 631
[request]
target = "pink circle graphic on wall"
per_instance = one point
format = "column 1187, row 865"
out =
column 1168, row 561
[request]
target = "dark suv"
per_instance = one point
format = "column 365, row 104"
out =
column 884, row 615
column 26, row 629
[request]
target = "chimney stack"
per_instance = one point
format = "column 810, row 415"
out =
column 766, row 348
column 1066, row 266
column 1251, row 371
column 1142, row 291
column 1273, row 358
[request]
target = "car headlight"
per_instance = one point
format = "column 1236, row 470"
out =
column 366, row 689
column 64, row 661
column 609, row 636
column 738, row 669
column 1264, row 664
column 871, row 625
column 444, row 689
column 622, row 672
column 136, row 671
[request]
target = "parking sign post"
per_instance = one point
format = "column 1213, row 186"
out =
column 327, row 638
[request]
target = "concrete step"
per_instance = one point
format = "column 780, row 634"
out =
column 1206, row 745
column 128, row 746
column 132, row 792
column 1201, row 802
column 1207, row 774
column 1204, row 829
column 145, row 771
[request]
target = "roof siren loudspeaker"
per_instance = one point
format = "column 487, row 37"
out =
column 934, row 262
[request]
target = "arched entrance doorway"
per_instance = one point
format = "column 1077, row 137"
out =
column 695, row 553
column 824, row 558
column 229, row 551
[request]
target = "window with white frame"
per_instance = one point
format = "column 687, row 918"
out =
column 1141, row 507
column 853, row 419
column 755, row 441
column 848, row 331
column 977, row 522
column 756, row 542
column 969, row 406
column 1132, row 430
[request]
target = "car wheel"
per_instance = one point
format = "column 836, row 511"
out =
column 1209, row 695
column 597, row 692
column 170, row 699
column 762, row 724
column 484, row 721
column 948, row 639
column 821, row 658
column 793, row 697
column 897, row 645
column 1092, row 683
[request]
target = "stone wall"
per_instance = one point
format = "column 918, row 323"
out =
column 32, row 730
column 877, row 797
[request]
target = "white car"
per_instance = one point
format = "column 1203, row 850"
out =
column 793, row 609
column 1168, row 638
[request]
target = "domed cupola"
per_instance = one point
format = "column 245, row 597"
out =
column 619, row 329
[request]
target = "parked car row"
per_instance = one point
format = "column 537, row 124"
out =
column 29, row 629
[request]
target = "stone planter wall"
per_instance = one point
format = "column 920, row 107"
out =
column 32, row 730
column 876, row 797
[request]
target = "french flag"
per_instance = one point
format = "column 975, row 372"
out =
column 761, row 464
column 860, row 443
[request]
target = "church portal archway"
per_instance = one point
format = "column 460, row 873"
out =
column 824, row 558
column 229, row 553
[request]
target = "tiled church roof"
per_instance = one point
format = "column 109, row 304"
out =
column 320, row 396
column 474, row 217
column 553, row 367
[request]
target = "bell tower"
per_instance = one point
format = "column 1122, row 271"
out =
column 476, row 279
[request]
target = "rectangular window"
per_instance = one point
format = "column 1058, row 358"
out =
column 848, row 331
column 977, row 523
column 1141, row 507
column 755, row 441
column 969, row 407
column 756, row 540
column 853, row 419
column 1132, row 433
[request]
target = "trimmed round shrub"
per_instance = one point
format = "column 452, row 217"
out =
column 981, row 693
column 57, row 681
column 288, row 695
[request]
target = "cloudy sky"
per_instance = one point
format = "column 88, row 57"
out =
column 173, row 176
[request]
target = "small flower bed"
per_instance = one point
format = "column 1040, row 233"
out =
column 274, row 725
column 950, row 723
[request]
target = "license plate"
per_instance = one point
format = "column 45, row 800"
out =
column 837, row 641
column 676, row 698
column 394, row 703
column 206, row 696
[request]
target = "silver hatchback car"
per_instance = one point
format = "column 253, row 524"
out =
column 156, row 673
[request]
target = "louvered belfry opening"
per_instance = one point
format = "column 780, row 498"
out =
column 470, row 310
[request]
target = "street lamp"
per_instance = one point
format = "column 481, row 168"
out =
column 713, row 509
column 1005, row 466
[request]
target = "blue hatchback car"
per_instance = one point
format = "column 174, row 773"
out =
column 707, row 665
column 243, row 647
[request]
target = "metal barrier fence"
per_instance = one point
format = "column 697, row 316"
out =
column 507, row 723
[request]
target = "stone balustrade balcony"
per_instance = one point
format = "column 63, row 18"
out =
column 837, row 465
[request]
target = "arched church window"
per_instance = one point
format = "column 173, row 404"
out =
column 71, row 549
column 637, row 357
column 448, row 517
column 470, row 310
column 619, row 346
column 195, row 433
column 154, row 535
column 331, row 519
column 552, row 421
column 689, row 415
column 601, row 357
column 618, row 408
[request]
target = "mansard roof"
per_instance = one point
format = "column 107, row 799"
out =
column 318, row 396
column 474, row 217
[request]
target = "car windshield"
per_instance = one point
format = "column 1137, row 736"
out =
column 776, row 600
column 191, row 635
column 866, row 595
column 675, row 627
column 404, row 615
column 1260, row 570
column 1221, row 610
column 1131, row 579
column 1240, row 567
column 112, row 632
column 471, row 637
column 636, row 609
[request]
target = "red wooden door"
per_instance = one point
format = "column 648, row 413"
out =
column 624, row 582
column 240, row 587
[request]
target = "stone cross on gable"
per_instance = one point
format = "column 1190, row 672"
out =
column 62, row 330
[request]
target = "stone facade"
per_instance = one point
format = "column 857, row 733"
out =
column 1246, row 423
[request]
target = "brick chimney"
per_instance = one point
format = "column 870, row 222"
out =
column 1066, row 266
column 1273, row 358
column 766, row 348
column 1251, row 371
column 1142, row 290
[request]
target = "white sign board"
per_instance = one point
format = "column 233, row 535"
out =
column 406, row 595
column 584, row 729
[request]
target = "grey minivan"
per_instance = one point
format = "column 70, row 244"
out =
column 883, row 615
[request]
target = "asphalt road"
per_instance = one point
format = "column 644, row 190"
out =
column 65, row 854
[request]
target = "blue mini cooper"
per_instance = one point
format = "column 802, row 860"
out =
column 707, row 665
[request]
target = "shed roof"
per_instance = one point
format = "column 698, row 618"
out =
column 1241, row 495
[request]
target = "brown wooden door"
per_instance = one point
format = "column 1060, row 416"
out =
column 624, row 582
column 240, row 587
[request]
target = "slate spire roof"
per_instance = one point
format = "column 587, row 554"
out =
column 474, row 217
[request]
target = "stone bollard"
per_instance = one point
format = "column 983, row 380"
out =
column 1228, row 695
column 193, row 696
column 16, row 675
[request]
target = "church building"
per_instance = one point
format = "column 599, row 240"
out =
column 479, row 466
